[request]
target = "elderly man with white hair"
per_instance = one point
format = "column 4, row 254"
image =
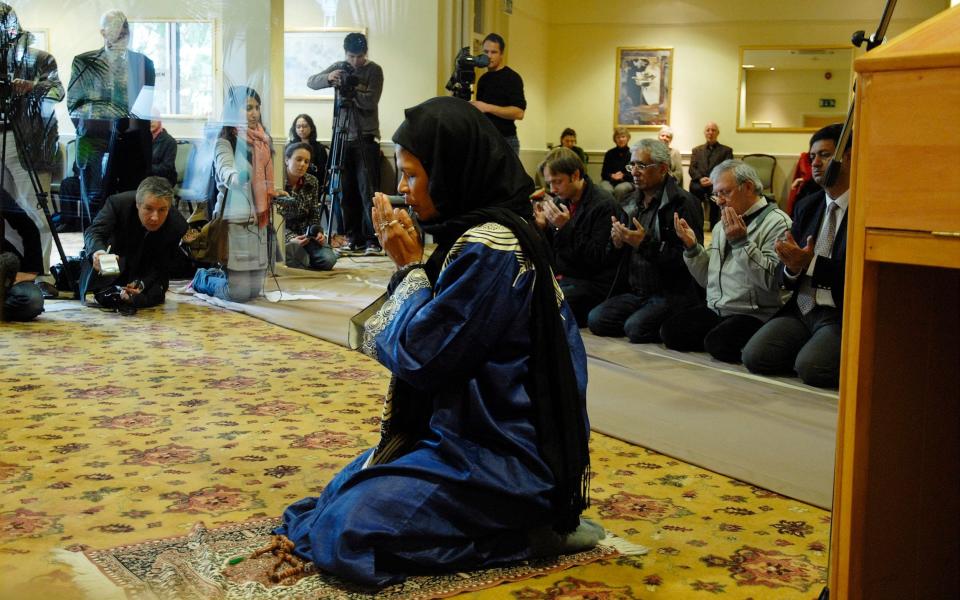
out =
column 738, row 270
column 104, row 100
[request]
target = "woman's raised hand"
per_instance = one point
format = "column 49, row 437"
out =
column 395, row 229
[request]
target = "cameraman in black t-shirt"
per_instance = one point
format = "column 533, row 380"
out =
column 500, row 92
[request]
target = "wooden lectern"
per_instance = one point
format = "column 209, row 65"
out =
column 897, row 488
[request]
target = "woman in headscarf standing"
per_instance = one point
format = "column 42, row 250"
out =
column 243, row 166
column 483, row 457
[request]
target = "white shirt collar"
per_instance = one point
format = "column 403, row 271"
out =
column 842, row 202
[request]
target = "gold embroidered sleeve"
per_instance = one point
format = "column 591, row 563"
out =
column 415, row 281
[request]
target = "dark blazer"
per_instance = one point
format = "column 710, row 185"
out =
column 143, row 255
column 165, row 157
column 828, row 274
column 702, row 160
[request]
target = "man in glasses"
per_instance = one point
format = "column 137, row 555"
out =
column 659, row 283
column 805, row 336
column 703, row 159
column 739, row 270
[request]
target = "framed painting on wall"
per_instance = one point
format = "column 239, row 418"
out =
column 306, row 52
column 643, row 90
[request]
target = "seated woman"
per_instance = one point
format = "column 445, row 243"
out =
column 243, row 170
column 568, row 139
column 306, row 246
column 483, row 457
column 303, row 130
column 615, row 174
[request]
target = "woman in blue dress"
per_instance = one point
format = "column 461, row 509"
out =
column 483, row 458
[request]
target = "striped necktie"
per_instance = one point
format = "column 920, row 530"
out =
column 807, row 296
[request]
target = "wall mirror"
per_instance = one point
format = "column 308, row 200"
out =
column 798, row 88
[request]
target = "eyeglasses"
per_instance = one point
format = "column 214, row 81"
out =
column 724, row 194
column 635, row 164
column 823, row 154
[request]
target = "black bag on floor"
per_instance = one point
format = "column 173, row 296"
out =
column 67, row 277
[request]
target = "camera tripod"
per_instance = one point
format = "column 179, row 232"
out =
column 9, row 124
column 344, row 121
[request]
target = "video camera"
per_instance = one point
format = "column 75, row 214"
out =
column 10, row 36
column 461, row 81
column 349, row 81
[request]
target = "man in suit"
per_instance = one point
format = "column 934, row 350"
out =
column 702, row 162
column 105, row 103
column 805, row 335
column 141, row 231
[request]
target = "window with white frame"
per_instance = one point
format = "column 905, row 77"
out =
column 182, row 55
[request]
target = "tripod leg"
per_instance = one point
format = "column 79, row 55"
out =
column 39, row 193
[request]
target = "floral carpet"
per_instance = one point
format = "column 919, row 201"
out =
column 116, row 430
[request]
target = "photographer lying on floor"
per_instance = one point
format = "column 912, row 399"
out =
column 130, row 245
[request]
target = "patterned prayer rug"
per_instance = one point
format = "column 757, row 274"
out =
column 217, row 564
column 115, row 430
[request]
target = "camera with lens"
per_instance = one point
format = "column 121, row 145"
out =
column 461, row 81
column 313, row 230
column 111, row 298
column 348, row 81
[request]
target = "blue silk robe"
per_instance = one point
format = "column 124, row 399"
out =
column 464, row 497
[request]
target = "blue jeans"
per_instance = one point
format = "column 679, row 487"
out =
column 24, row 302
column 312, row 256
column 636, row 317
column 232, row 286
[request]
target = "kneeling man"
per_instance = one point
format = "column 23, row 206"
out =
column 805, row 335
column 139, row 229
column 659, row 282
column 739, row 270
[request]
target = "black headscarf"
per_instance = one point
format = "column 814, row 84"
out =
column 474, row 178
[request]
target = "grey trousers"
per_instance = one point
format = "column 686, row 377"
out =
column 806, row 344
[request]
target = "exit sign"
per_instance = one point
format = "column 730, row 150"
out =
column 828, row 103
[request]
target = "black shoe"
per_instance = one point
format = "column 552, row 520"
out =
column 49, row 291
column 373, row 250
column 9, row 265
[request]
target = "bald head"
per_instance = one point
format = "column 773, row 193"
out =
column 711, row 132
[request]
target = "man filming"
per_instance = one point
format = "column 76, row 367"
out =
column 500, row 92
column 29, row 91
column 360, row 83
